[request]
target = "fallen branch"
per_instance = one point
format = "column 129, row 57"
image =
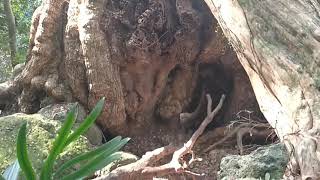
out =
column 141, row 169
column 240, row 131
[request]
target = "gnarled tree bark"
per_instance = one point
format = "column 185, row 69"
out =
column 277, row 42
column 143, row 56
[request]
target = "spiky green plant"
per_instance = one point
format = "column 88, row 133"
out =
column 90, row 161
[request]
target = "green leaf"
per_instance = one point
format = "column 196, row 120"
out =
column 58, row 145
column 2, row 178
column 22, row 153
column 105, row 148
column 98, row 163
column 85, row 125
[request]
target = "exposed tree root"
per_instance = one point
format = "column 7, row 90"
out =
column 142, row 168
column 240, row 131
column 187, row 120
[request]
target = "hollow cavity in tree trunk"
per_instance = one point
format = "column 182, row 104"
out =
column 152, row 60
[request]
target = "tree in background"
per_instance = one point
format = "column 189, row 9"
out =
column 19, row 13
column 12, row 31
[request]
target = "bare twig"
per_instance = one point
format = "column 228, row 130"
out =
column 240, row 131
column 232, row 133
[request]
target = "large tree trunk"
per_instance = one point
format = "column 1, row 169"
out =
column 277, row 42
column 11, row 30
column 150, row 59
column 143, row 56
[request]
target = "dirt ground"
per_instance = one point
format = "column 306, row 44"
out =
column 210, row 161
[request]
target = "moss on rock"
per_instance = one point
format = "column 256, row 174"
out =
column 269, row 159
column 41, row 133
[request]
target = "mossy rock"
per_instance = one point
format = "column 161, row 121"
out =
column 40, row 135
column 58, row 112
column 269, row 160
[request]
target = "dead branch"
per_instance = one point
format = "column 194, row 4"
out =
column 240, row 131
column 240, row 135
column 141, row 169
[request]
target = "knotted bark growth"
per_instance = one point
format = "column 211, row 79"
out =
column 142, row 55
column 277, row 42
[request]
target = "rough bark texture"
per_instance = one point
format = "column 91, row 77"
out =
column 12, row 31
column 148, row 58
column 277, row 42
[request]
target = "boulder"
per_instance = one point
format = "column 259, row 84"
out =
column 41, row 133
column 59, row 111
column 17, row 70
column 265, row 161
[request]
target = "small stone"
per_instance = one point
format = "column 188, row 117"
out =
column 94, row 135
column 316, row 34
column 17, row 70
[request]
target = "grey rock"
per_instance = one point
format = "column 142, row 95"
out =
column 94, row 135
column 4, row 85
column 316, row 34
column 59, row 111
column 17, row 70
column 264, row 161
column 47, row 101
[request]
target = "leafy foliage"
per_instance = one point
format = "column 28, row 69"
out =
column 5, row 66
column 22, row 10
column 22, row 153
column 89, row 162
